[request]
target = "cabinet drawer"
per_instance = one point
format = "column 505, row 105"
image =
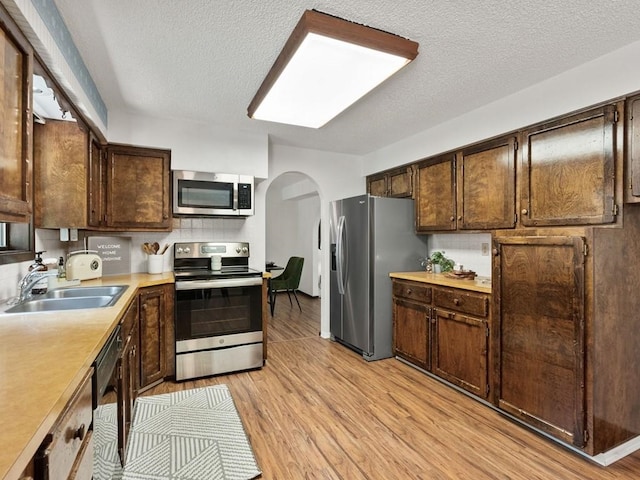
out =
column 462, row 301
column 412, row 291
column 64, row 442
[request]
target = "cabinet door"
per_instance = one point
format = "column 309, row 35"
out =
column 539, row 308
column 435, row 194
column 152, row 336
column 486, row 186
column 568, row 170
column 633, row 147
column 397, row 182
column 138, row 188
column 400, row 182
column 377, row 185
column 411, row 332
column 60, row 174
column 460, row 351
column 16, row 123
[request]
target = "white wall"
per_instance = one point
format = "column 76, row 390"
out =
column 194, row 146
column 613, row 75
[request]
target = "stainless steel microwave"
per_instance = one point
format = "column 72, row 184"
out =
column 207, row 194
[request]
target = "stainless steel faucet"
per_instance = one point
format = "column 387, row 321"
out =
column 29, row 281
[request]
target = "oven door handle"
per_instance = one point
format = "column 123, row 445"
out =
column 221, row 283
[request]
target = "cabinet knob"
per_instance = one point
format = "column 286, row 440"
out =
column 460, row 218
column 409, row 291
column 456, row 301
column 495, row 252
column 80, row 432
column 452, row 218
column 525, row 211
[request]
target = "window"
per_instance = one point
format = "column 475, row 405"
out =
column 16, row 242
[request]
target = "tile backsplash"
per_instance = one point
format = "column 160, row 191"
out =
column 184, row 230
column 466, row 249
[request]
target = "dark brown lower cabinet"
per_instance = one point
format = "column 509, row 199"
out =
column 460, row 350
column 540, row 333
column 445, row 331
column 411, row 332
column 67, row 450
column 152, row 336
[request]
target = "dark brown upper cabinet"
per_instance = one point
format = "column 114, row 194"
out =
column 568, row 170
column 486, row 185
column 632, row 186
column 138, row 188
column 60, row 155
column 397, row 182
column 435, row 195
column 16, row 123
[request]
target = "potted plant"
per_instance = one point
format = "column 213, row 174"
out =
column 439, row 260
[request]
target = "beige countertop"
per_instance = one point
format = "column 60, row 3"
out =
column 478, row 285
column 42, row 360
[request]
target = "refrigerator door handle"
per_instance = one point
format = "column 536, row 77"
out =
column 341, row 254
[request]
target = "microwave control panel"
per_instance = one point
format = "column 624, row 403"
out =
column 244, row 196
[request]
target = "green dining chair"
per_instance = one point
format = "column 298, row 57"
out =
column 288, row 280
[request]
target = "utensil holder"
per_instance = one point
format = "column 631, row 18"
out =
column 155, row 263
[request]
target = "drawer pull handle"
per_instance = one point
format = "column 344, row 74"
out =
column 80, row 432
column 409, row 291
column 456, row 301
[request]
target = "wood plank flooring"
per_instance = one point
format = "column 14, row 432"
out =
column 319, row 411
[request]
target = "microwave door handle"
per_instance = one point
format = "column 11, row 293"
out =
column 235, row 196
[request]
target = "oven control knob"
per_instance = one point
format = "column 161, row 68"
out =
column 187, row 250
column 238, row 250
column 245, row 249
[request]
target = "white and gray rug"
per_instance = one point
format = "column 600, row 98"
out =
column 106, row 464
column 188, row 435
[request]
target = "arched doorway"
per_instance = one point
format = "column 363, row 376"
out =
column 293, row 226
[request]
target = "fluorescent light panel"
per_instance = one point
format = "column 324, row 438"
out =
column 327, row 65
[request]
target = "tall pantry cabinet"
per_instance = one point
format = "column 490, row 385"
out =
column 564, row 287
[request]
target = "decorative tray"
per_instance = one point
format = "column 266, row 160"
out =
column 461, row 274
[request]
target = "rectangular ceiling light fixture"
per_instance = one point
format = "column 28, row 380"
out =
column 327, row 65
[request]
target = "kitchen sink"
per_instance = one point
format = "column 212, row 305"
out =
column 75, row 292
column 71, row 299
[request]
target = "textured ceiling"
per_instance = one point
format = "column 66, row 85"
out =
column 203, row 60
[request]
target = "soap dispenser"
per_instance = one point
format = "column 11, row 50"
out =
column 61, row 270
column 41, row 286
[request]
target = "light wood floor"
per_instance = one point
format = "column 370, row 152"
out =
column 319, row 411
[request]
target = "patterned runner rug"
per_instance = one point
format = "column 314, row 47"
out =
column 189, row 435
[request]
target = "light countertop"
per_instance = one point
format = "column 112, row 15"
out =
column 43, row 358
column 479, row 284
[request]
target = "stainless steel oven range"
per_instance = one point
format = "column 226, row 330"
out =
column 218, row 309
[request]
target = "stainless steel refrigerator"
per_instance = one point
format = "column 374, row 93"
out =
column 370, row 237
